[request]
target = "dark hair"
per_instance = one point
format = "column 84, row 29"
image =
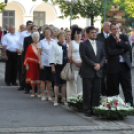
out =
column 33, row 27
column 75, row 30
column 123, row 29
column 29, row 22
column 88, row 29
column 113, row 24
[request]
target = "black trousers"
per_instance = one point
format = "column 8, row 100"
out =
column 123, row 78
column 91, row 93
column 23, row 75
column 11, row 67
column 19, row 68
column 104, row 88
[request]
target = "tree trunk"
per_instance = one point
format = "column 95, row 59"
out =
column 92, row 20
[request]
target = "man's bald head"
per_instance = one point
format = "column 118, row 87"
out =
column 106, row 27
column 12, row 29
column 22, row 28
column 6, row 26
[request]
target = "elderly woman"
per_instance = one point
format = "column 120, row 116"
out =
column 45, row 73
column 32, row 64
column 58, row 59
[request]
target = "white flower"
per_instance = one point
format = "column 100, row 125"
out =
column 113, row 109
column 118, row 108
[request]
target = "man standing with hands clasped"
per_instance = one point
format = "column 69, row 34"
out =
column 119, row 64
column 93, row 59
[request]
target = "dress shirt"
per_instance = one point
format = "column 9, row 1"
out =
column 93, row 43
column 10, row 41
column 106, row 34
column 22, row 36
column 45, row 51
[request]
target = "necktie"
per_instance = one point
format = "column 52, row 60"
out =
column 119, row 55
column 94, row 47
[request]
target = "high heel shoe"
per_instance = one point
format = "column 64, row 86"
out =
column 56, row 102
column 64, row 101
column 32, row 96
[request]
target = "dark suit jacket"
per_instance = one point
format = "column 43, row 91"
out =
column 100, row 37
column 89, row 59
column 42, row 37
column 27, row 41
column 114, row 49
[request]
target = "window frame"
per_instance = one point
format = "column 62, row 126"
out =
column 43, row 18
column 8, row 17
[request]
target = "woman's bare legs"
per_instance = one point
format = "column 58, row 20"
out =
column 49, row 85
column 56, row 92
column 43, row 88
column 33, row 89
column 63, row 89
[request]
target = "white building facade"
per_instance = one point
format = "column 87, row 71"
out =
column 18, row 12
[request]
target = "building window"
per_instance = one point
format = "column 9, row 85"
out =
column 39, row 18
column 8, row 17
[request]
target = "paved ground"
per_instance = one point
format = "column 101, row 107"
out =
column 21, row 114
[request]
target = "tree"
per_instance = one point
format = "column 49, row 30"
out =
column 2, row 6
column 84, row 8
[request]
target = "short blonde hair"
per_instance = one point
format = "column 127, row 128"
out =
column 60, row 33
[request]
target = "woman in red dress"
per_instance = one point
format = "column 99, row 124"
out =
column 32, row 64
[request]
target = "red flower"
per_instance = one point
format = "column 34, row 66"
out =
column 108, row 105
column 116, row 103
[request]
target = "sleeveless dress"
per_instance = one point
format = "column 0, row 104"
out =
column 31, row 58
column 74, row 87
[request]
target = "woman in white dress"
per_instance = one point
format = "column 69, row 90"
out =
column 74, row 87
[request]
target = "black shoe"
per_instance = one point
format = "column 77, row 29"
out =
column 8, row 84
column 26, row 91
column 88, row 114
column 20, row 88
column 14, row 84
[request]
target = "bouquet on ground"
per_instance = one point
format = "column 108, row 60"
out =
column 76, row 101
column 113, row 108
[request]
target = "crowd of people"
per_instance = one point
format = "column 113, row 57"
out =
column 99, row 62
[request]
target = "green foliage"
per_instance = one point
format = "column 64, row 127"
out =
column 2, row 6
column 76, row 102
column 84, row 8
column 113, row 115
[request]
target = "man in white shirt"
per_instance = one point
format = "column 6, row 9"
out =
column 9, row 42
column 19, row 49
column 19, row 65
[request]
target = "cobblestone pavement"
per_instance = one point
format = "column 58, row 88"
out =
column 20, row 114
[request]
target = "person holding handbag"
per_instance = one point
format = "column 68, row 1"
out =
column 74, row 86
column 58, row 59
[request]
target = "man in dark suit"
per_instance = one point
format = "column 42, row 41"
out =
column 101, row 37
column 119, row 64
column 93, row 59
